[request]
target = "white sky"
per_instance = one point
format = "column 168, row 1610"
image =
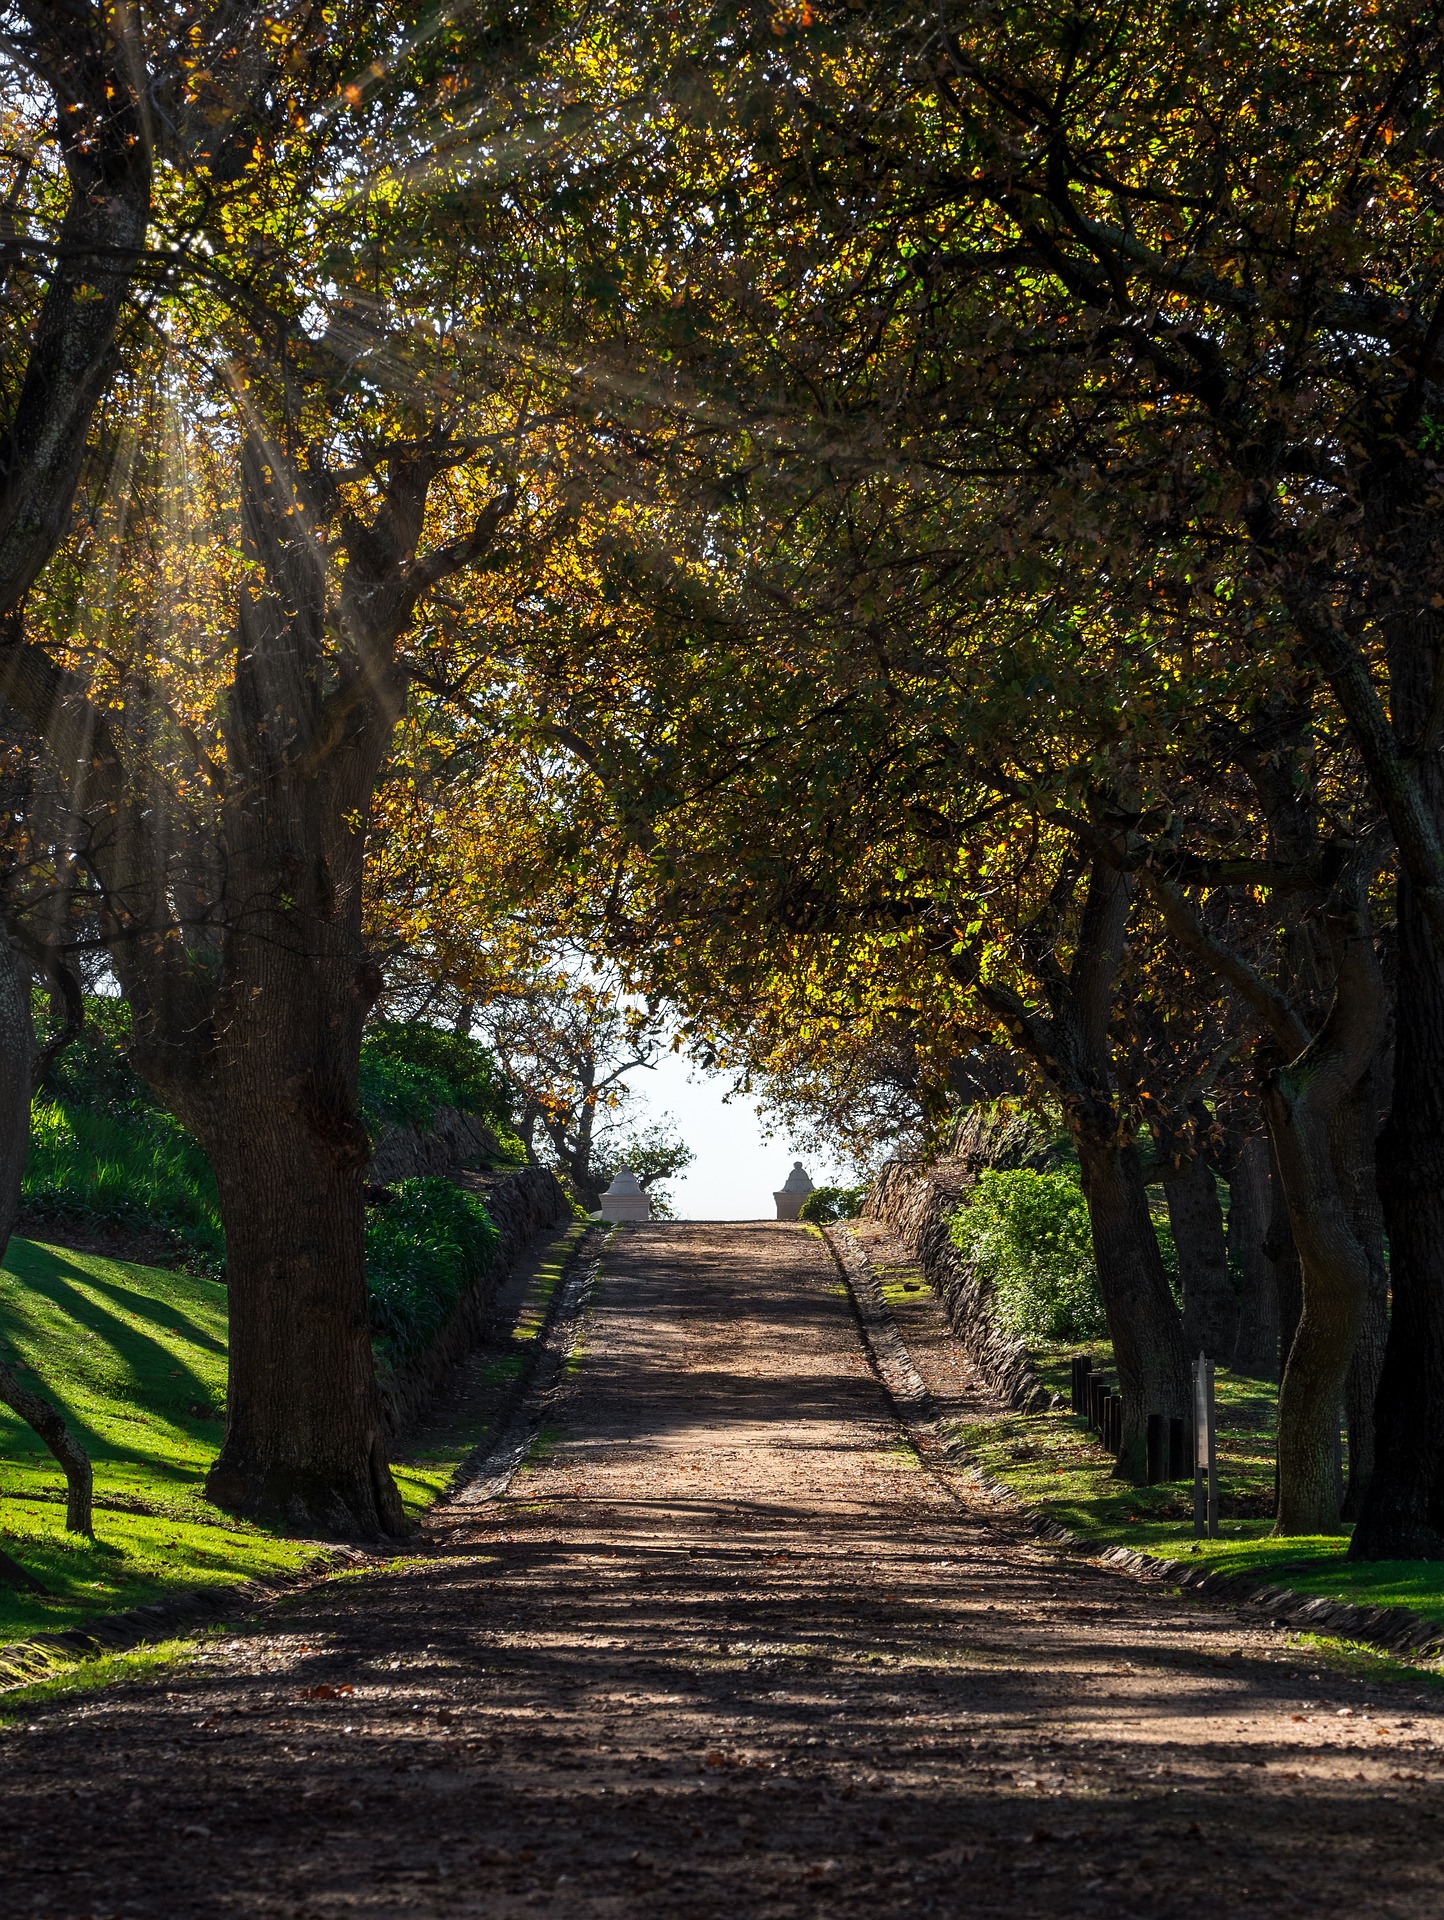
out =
column 736, row 1170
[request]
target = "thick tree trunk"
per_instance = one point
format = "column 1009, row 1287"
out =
column 1354, row 1156
column 1210, row 1305
column 1256, row 1344
column 1335, row 1293
column 1289, row 1280
column 1143, row 1321
column 304, row 1435
column 1402, row 1516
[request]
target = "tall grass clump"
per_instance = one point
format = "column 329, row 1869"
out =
column 1026, row 1234
column 137, row 1172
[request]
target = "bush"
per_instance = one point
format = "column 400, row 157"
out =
column 826, row 1204
column 409, row 1069
column 1027, row 1235
column 424, row 1249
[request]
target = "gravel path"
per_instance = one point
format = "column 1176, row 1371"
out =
column 724, row 1649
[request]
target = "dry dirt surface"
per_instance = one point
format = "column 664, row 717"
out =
column 725, row 1649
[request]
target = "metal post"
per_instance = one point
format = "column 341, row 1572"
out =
column 1205, row 1453
column 1212, row 1460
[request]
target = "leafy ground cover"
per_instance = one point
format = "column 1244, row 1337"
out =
column 1053, row 1462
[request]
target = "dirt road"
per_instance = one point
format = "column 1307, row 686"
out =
column 725, row 1650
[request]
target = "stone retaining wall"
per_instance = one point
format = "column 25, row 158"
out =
column 916, row 1202
column 523, row 1203
column 452, row 1139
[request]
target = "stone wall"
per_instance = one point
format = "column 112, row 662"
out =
column 523, row 1203
column 452, row 1140
column 915, row 1202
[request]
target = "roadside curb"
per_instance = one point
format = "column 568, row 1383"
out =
column 1397, row 1630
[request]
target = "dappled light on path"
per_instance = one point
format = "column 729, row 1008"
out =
column 725, row 1648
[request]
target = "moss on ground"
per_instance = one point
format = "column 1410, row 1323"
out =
column 1053, row 1462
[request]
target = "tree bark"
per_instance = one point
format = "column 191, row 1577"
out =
column 1402, row 1513
column 1210, row 1304
column 1256, row 1343
column 93, row 63
column 1288, row 1276
column 1072, row 1050
column 1354, row 1134
column 17, row 1066
column 1303, row 1102
column 305, row 1439
column 1143, row 1322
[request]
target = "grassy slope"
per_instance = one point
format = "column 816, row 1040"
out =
column 1052, row 1462
column 135, row 1356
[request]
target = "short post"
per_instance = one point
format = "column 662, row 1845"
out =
column 1157, row 1449
column 1179, row 1465
column 1082, row 1367
column 1099, row 1396
column 1115, row 1423
column 1205, row 1455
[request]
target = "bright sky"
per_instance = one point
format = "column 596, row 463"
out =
column 736, row 1170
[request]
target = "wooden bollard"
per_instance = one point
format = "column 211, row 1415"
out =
column 1082, row 1368
column 1098, row 1397
column 1180, row 1465
column 1157, row 1449
column 1115, row 1423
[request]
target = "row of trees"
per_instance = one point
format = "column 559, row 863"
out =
column 1032, row 636
column 914, row 534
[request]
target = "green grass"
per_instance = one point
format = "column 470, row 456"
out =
column 1054, row 1464
column 135, row 1358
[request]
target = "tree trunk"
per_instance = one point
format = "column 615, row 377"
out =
column 1256, row 1345
column 17, row 1063
column 1402, row 1516
column 1280, row 1248
column 1354, row 1135
column 1335, row 1293
column 1143, row 1321
column 304, row 1433
column 1210, row 1305
column 47, row 1422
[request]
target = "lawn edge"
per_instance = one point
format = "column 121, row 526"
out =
column 1396, row 1630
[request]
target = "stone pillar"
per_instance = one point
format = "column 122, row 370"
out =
column 626, row 1199
column 794, row 1190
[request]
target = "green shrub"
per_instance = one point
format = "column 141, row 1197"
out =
column 1027, row 1234
column 826, row 1204
column 409, row 1069
column 424, row 1249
